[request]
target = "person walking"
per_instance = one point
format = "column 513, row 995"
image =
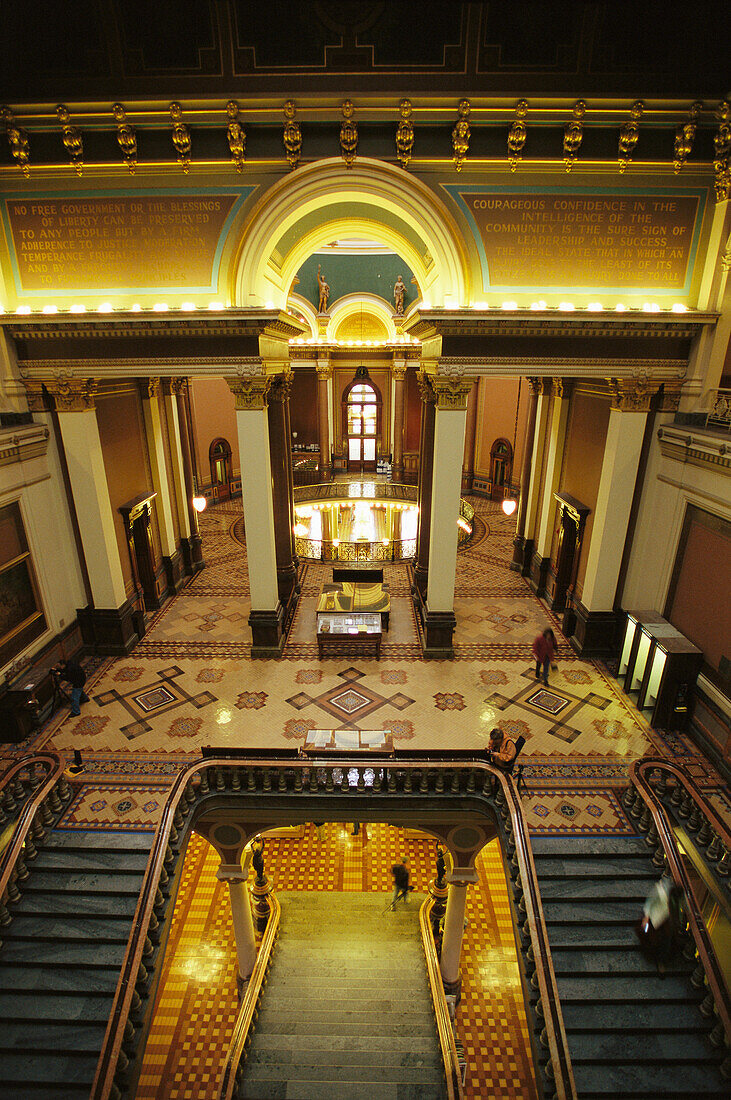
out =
column 401, row 886
column 72, row 673
column 544, row 651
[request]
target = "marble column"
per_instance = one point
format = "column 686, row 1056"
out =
column 468, row 463
column 555, row 442
column 282, row 488
column 150, row 390
column 424, row 490
column 243, row 923
column 266, row 617
column 519, row 541
column 398, row 375
column 449, row 432
column 324, row 376
column 452, row 937
column 534, row 487
column 107, row 625
column 174, row 391
column 596, row 617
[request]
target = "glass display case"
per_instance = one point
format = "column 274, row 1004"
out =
column 339, row 633
column 660, row 665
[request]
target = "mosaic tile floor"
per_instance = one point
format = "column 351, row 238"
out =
column 195, row 1008
column 191, row 683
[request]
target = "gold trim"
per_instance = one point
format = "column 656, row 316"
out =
column 517, row 134
column 18, row 142
column 71, row 137
column 631, row 396
column 629, row 132
column 573, row 134
column 722, row 147
column 250, row 394
column 73, row 394
column 291, row 134
column 348, row 134
column 405, row 134
column 181, row 137
column 685, row 136
column 461, row 135
column 126, row 138
column 236, row 135
column 450, row 393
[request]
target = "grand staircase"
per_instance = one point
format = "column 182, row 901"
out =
column 631, row 1033
column 347, row 1010
column 60, row 960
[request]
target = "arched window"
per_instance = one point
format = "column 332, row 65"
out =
column 219, row 454
column 501, row 467
column 362, row 422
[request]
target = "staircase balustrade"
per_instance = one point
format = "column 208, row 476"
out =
column 648, row 778
column 445, row 1029
column 335, row 776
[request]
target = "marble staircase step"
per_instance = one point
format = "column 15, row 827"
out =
column 51, row 954
column 330, row 1090
column 50, row 905
column 622, row 1018
column 594, row 937
column 586, row 888
column 363, row 1024
column 589, row 911
column 312, row 1070
column 45, row 980
column 640, row 1081
column 71, row 1007
column 69, row 929
column 661, row 1047
column 64, row 1035
column 340, row 1052
column 106, row 840
column 603, row 846
column 628, row 961
column 95, row 860
column 568, row 867
column 17, row 1070
column 608, row 988
column 100, row 882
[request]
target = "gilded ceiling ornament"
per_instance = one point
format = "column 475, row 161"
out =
column 236, row 135
column 73, row 394
column 18, row 142
column 573, row 134
column 461, row 135
column 292, row 134
column 517, row 134
column 628, row 134
column 181, row 136
column 348, row 135
column 685, row 136
column 126, row 138
column 722, row 147
column 71, row 137
column 405, row 134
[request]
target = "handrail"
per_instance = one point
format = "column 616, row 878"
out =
column 445, row 1031
column 249, row 1004
column 479, row 778
column 10, row 855
column 652, row 763
column 706, row 953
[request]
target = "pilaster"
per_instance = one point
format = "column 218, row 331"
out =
column 151, row 390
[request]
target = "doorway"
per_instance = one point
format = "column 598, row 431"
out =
column 501, row 467
column 219, row 455
column 362, row 413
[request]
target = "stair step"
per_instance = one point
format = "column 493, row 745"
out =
column 333, row 1090
column 627, row 962
column 57, row 980
column 586, row 889
column 661, row 1047
column 363, row 1024
column 345, row 1075
column 25, row 953
column 617, row 1016
column 658, row 1082
column 82, row 840
column 609, row 988
column 62, row 1036
column 71, row 1007
column 594, row 912
column 54, row 904
column 57, row 930
column 19, row 1070
column 94, row 860
column 601, row 846
column 591, row 937
column 61, row 882
column 568, row 867
column 391, row 1048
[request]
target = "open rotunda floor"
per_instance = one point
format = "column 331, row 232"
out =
column 191, row 682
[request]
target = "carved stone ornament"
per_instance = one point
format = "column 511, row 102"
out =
column 249, row 394
column 175, row 386
column 670, row 401
column 292, row 134
column 126, row 138
column 281, row 386
column 151, row 387
column 535, row 385
column 181, row 137
column 426, row 391
column 348, row 135
column 398, row 370
column 461, row 135
column 573, row 134
column 559, row 388
column 71, row 137
column 34, row 396
column 405, row 134
column 685, row 136
column 324, row 370
column 451, row 393
column 630, row 395
column 517, row 134
column 236, row 135
column 18, row 142
column 628, row 135
column 722, row 151
column 73, row 394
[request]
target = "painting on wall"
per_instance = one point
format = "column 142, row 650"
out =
column 21, row 613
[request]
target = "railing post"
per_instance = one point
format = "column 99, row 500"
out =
column 453, row 932
column 243, row 923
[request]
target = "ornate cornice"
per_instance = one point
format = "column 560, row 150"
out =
column 23, row 444
column 699, row 450
column 134, row 326
column 73, row 394
column 324, row 369
column 465, row 323
column 451, row 393
column 631, row 396
column 250, row 393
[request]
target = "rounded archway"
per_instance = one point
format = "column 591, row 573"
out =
column 307, row 208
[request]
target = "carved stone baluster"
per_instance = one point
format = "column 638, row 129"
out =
column 685, row 805
column 714, row 850
column 329, row 781
column 455, row 782
column 204, row 785
column 282, row 781
column 724, row 867
column 439, row 782
column 360, row 785
column 704, row 834
column 267, row 779
column 250, row 780
column 407, row 783
column 344, row 782
column 220, row 779
column 424, row 781
column 314, row 785
column 391, row 780
column 677, row 795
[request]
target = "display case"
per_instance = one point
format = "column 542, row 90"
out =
column 26, row 703
column 339, row 634
column 660, row 665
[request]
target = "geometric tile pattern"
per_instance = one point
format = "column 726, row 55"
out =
column 556, row 812
column 114, row 806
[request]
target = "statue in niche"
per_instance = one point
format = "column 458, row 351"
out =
column 324, row 291
column 399, row 290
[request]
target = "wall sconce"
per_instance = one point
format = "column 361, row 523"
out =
column 199, row 503
column 509, row 506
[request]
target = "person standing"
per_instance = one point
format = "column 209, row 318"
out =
column 544, row 651
column 401, row 886
column 72, row 673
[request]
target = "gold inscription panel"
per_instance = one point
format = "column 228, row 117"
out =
column 585, row 241
column 136, row 242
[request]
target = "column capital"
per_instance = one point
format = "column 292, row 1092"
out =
column 324, row 369
column 560, row 387
column 232, row 872
column 451, row 393
column 149, row 388
column 281, row 386
column 631, row 395
column 250, row 393
column 73, row 394
column 535, row 385
column 174, row 386
column 426, row 392
column 34, row 395
column 671, row 394
column 398, row 368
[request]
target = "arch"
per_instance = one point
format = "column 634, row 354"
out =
column 501, row 467
column 362, row 443
column 351, row 305
column 305, row 209
column 219, row 458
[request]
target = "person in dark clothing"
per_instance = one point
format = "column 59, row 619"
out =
column 72, row 673
column 401, row 886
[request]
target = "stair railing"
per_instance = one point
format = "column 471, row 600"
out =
column 285, row 771
column 445, row 1030
column 48, row 793
column 249, row 1010
column 644, row 807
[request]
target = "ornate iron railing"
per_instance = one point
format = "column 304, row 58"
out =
column 342, row 490
column 338, row 776
column 445, row 1031
column 322, row 550
column 718, row 416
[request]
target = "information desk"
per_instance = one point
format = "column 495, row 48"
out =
column 356, row 634
column 345, row 598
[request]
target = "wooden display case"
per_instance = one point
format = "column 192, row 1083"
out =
column 355, row 634
column 661, row 665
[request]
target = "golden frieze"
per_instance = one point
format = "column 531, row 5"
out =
column 236, row 135
column 71, row 137
column 126, row 137
column 461, row 135
column 292, row 134
column 348, row 135
column 573, row 134
column 405, row 134
column 685, row 136
column 629, row 132
column 181, row 137
column 517, row 134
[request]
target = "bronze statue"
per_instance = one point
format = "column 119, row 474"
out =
column 324, row 291
column 257, row 859
column 441, row 865
column 399, row 290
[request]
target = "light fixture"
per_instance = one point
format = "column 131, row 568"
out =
column 650, row 307
column 189, row 306
column 509, row 305
column 160, row 307
column 104, row 307
column 136, row 308
column 538, row 305
column 567, row 307
column 50, row 309
column 509, row 506
column 23, row 309
column 619, row 308
column 78, row 308
column 215, row 305
column 680, row 308
column 199, row 503
column 595, row 307
column 300, row 529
